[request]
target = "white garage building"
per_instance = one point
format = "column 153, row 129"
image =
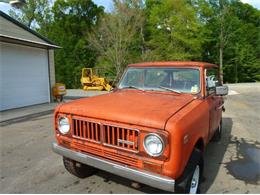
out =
column 26, row 65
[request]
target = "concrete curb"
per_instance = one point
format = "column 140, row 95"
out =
column 73, row 97
column 25, row 117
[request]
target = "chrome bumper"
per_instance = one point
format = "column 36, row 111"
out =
column 148, row 178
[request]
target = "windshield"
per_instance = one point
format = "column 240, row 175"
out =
column 179, row 80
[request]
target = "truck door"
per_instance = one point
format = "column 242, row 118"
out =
column 214, row 102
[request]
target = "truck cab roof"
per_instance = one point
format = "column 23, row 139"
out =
column 174, row 63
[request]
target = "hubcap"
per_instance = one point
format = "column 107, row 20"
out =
column 195, row 180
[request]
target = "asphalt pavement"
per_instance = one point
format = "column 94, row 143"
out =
column 27, row 164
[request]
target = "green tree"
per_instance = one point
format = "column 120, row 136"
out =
column 225, row 32
column 243, row 50
column 34, row 14
column 232, row 39
column 118, row 37
column 173, row 31
column 72, row 21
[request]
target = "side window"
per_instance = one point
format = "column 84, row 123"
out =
column 212, row 80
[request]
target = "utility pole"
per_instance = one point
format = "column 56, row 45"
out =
column 221, row 39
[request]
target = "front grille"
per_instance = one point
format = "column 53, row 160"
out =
column 108, row 135
column 122, row 158
column 121, row 137
column 86, row 130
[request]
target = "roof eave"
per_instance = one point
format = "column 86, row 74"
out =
column 28, row 29
column 15, row 40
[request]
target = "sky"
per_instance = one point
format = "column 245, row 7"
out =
column 5, row 7
column 254, row 3
column 108, row 4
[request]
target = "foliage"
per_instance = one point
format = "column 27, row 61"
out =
column 72, row 20
column 173, row 31
column 235, row 33
column 34, row 12
column 225, row 32
column 117, row 36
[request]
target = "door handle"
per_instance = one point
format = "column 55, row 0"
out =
column 220, row 106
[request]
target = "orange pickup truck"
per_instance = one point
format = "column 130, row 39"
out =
column 152, row 128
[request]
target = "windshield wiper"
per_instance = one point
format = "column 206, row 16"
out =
column 169, row 89
column 131, row 87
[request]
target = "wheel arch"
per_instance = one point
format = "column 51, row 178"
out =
column 199, row 144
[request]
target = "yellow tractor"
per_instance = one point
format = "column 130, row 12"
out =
column 90, row 81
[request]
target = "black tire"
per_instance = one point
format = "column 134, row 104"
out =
column 183, row 184
column 78, row 169
column 217, row 135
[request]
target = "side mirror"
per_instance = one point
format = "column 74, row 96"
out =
column 222, row 90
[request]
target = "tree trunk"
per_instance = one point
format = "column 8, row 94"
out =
column 221, row 64
column 221, row 40
column 236, row 76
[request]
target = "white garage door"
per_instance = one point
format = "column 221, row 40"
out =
column 24, row 77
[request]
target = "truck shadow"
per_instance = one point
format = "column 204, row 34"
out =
column 213, row 156
column 213, row 159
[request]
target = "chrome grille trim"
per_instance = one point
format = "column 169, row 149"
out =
column 119, row 137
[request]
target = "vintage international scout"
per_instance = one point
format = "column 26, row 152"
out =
column 152, row 128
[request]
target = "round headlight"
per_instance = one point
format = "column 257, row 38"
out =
column 153, row 144
column 64, row 125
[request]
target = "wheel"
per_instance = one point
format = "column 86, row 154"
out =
column 194, row 183
column 217, row 135
column 190, row 181
column 78, row 169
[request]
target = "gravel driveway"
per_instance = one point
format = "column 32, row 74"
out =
column 231, row 166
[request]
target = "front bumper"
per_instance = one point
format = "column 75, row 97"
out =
column 148, row 178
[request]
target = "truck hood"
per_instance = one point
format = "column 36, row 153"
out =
column 149, row 109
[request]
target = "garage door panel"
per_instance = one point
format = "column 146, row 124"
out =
column 24, row 76
column 9, row 104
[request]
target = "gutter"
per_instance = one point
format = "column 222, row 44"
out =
column 7, row 38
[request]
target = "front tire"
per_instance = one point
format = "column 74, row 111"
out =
column 78, row 169
column 190, row 181
column 195, row 181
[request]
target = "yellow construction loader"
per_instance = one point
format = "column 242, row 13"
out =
column 90, row 81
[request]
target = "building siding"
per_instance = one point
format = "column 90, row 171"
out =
column 51, row 69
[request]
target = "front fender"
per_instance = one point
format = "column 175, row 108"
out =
column 185, row 128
